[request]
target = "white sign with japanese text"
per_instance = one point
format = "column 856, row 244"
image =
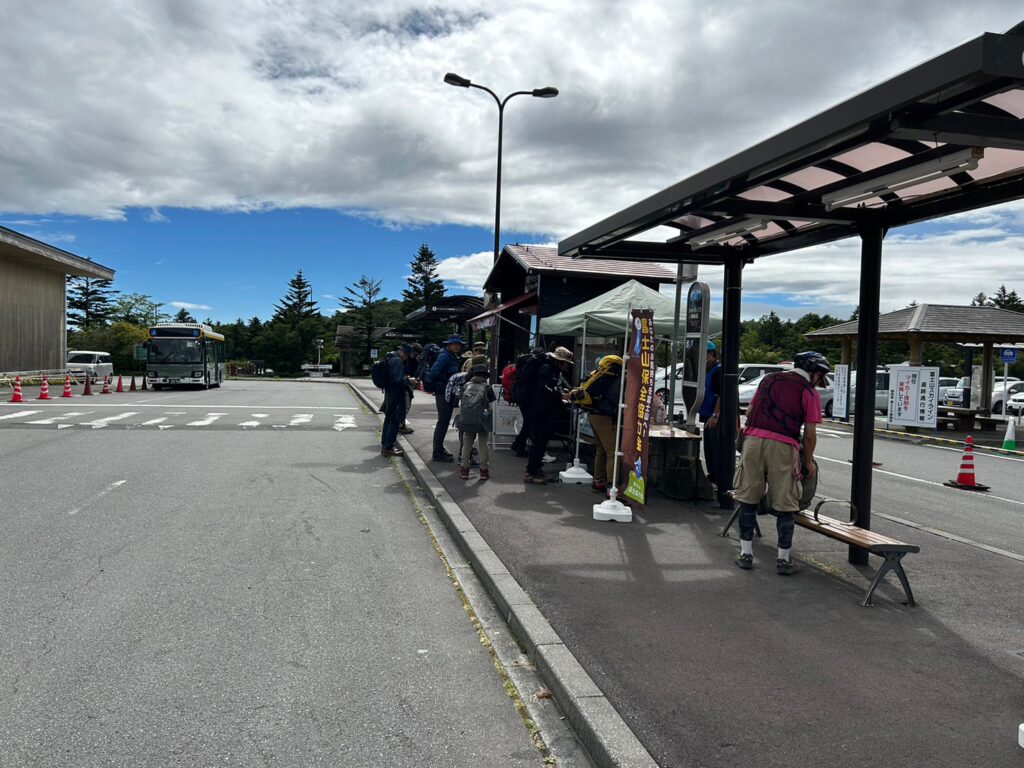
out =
column 841, row 392
column 913, row 396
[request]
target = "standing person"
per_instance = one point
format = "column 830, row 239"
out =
column 412, row 365
column 784, row 402
column 475, row 420
column 479, row 351
column 546, row 400
column 600, row 395
column 446, row 366
column 396, row 385
column 709, row 411
column 527, row 368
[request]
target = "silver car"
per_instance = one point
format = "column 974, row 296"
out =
column 95, row 364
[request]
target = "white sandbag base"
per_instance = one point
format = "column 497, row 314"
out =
column 613, row 511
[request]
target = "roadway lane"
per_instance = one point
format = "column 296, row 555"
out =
column 262, row 597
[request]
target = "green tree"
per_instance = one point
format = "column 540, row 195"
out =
column 298, row 303
column 981, row 300
column 136, row 309
column 183, row 316
column 425, row 287
column 1007, row 300
column 90, row 301
column 363, row 305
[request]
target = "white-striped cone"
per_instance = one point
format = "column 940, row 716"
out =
column 965, row 477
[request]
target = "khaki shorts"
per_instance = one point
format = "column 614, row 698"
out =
column 772, row 461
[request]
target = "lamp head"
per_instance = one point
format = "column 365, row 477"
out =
column 544, row 93
column 452, row 79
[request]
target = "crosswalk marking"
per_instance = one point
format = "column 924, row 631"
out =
column 153, row 421
column 249, row 424
column 210, row 418
column 16, row 414
column 55, row 419
column 338, row 421
column 300, row 418
column 105, row 421
column 343, row 422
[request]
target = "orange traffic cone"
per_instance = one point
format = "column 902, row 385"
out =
column 965, row 478
column 106, row 386
column 132, row 388
column 144, row 387
column 44, row 390
column 16, row 397
column 120, row 384
column 67, row 387
column 88, row 386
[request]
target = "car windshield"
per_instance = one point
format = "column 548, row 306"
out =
column 80, row 358
column 175, row 351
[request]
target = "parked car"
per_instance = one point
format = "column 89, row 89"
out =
column 954, row 396
column 1016, row 405
column 95, row 364
column 881, row 393
column 1012, row 388
column 748, row 372
column 747, row 393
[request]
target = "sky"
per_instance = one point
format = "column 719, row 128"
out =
column 207, row 150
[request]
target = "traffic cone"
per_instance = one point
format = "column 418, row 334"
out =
column 44, row 390
column 1010, row 438
column 16, row 397
column 120, row 384
column 144, row 387
column 106, row 386
column 965, row 478
column 132, row 388
column 88, row 386
column 67, row 387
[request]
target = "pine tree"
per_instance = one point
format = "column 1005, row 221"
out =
column 298, row 303
column 183, row 317
column 981, row 300
column 1007, row 300
column 89, row 301
column 425, row 287
column 363, row 303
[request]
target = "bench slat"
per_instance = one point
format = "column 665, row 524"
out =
column 858, row 537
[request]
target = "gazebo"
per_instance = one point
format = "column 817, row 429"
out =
column 942, row 138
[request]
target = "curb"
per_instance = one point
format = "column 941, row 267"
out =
column 892, row 434
column 609, row 741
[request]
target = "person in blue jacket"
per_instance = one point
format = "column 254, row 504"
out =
column 448, row 363
column 394, row 399
column 709, row 412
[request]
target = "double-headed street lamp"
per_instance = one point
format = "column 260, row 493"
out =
column 541, row 93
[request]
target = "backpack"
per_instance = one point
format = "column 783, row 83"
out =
column 474, row 411
column 582, row 396
column 427, row 358
column 379, row 373
column 526, row 377
column 453, row 389
column 508, row 383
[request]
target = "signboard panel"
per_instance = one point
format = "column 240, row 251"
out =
column 913, row 396
column 695, row 358
column 1008, row 356
column 636, row 420
column 841, row 392
column 508, row 419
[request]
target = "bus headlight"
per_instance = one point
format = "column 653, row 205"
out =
column 197, row 374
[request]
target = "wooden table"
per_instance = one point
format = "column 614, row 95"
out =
column 674, row 462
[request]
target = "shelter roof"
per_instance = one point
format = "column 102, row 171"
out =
column 944, row 137
column 20, row 247
column 455, row 307
column 938, row 322
column 543, row 260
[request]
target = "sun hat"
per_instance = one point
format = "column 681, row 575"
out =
column 407, row 348
column 712, row 347
column 477, row 370
column 562, row 354
column 454, row 340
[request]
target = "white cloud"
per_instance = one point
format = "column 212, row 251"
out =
column 155, row 216
column 466, row 272
column 189, row 305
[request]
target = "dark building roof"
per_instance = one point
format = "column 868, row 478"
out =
column 450, row 308
column 21, row 247
column 544, row 260
column 939, row 322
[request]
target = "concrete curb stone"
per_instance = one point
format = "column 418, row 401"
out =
column 606, row 736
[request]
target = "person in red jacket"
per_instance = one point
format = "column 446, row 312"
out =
column 784, row 403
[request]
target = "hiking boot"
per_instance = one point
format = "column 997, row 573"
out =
column 464, row 473
column 535, row 479
column 597, row 487
column 443, row 457
column 392, row 452
column 784, row 567
column 485, row 473
column 746, row 562
column 406, row 430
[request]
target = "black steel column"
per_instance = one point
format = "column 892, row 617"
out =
column 729, row 412
column 872, row 232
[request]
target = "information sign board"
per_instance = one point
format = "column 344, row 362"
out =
column 841, row 392
column 913, row 396
column 1008, row 356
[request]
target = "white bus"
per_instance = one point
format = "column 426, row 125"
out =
column 184, row 353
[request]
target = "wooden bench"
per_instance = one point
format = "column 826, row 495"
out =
column 890, row 550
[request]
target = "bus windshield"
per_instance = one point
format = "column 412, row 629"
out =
column 175, row 351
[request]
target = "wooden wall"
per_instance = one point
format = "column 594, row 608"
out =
column 31, row 317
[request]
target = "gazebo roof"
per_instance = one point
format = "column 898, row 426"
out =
column 938, row 322
column 545, row 260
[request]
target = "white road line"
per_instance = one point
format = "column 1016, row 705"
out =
column 16, row 414
column 98, row 496
column 260, row 415
column 344, row 422
column 143, row 404
column 105, row 421
column 210, row 418
column 153, row 421
column 832, row 432
column 55, row 419
column 979, row 453
column 165, row 426
column 975, row 495
column 300, row 418
column 248, row 424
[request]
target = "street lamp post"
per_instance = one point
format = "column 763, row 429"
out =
column 541, row 93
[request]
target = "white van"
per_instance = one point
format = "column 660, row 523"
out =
column 95, row 364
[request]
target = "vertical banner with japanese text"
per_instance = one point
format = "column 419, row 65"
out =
column 636, row 416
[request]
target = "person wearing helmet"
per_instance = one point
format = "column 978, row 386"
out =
column 599, row 395
column 709, row 409
column 784, row 403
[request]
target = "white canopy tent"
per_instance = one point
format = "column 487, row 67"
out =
column 607, row 314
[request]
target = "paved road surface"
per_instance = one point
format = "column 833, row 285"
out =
column 179, row 588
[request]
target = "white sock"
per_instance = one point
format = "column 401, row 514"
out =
column 783, row 554
column 747, row 547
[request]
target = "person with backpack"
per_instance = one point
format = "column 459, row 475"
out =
column 412, row 366
column 475, row 420
column 709, row 410
column 599, row 395
column 445, row 366
column 391, row 375
column 546, row 400
column 523, row 385
column 784, row 402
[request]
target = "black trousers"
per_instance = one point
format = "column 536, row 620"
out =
column 444, row 419
column 519, row 444
column 541, row 426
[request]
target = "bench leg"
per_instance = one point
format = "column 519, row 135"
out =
column 891, row 563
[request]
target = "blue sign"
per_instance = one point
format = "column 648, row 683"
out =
column 1008, row 356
